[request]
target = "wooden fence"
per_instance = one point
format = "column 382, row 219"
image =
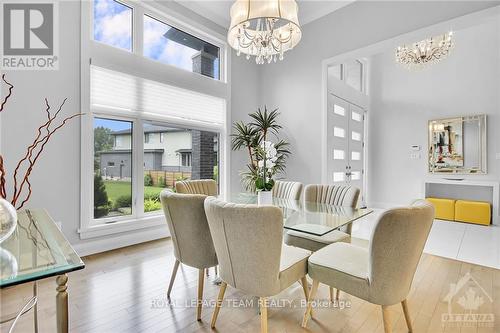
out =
column 166, row 178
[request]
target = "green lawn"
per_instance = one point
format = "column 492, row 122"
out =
column 116, row 189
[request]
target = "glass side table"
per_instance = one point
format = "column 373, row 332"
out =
column 37, row 250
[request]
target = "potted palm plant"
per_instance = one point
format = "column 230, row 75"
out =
column 266, row 158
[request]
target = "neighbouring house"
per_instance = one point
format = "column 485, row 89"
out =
column 165, row 149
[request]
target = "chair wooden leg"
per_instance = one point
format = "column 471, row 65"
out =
column 172, row 278
column 337, row 294
column 207, row 271
column 314, row 290
column 199, row 303
column 220, row 297
column 263, row 314
column 305, row 287
column 407, row 315
column 331, row 294
column 387, row 319
column 216, row 271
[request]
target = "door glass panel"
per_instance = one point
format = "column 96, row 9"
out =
column 338, row 132
column 338, row 154
column 356, row 136
column 337, row 109
column 356, row 116
column 355, row 175
column 355, row 156
column 112, row 168
column 338, row 176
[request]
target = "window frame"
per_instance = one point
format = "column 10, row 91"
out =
column 134, row 63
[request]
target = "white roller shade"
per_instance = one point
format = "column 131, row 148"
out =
column 118, row 91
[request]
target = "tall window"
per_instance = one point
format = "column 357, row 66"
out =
column 150, row 124
column 113, row 24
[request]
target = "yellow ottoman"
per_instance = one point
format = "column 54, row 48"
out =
column 477, row 212
column 444, row 209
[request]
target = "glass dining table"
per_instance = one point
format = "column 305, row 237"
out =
column 37, row 250
column 308, row 217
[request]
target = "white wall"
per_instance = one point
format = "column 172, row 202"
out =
column 245, row 99
column 402, row 102
column 294, row 85
column 56, row 179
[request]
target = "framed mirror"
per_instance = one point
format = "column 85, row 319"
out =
column 458, row 145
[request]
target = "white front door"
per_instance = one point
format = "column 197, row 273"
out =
column 345, row 145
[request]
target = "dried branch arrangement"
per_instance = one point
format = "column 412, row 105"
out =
column 22, row 187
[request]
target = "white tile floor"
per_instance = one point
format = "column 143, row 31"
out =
column 461, row 241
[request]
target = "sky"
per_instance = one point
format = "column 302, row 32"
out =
column 114, row 125
column 113, row 26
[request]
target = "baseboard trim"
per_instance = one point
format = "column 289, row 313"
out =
column 108, row 243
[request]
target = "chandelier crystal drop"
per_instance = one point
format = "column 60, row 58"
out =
column 427, row 51
column 265, row 29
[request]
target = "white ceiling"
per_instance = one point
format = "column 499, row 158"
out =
column 218, row 10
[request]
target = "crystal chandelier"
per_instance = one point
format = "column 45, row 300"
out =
column 427, row 51
column 265, row 29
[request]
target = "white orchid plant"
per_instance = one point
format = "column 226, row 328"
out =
column 267, row 159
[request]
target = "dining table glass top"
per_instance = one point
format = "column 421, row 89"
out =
column 308, row 217
column 37, row 249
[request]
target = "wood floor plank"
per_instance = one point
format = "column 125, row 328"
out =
column 125, row 291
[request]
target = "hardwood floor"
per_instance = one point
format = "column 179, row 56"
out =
column 125, row 291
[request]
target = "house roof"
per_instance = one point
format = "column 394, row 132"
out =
column 183, row 150
column 152, row 129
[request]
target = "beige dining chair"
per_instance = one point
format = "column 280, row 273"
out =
column 287, row 190
column 206, row 187
column 248, row 240
column 346, row 196
column 383, row 273
column 193, row 246
column 199, row 186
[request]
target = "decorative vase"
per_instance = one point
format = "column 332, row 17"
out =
column 8, row 219
column 265, row 197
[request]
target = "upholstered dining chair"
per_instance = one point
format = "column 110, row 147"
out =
column 248, row 240
column 193, row 246
column 206, row 187
column 199, row 186
column 346, row 196
column 287, row 190
column 383, row 273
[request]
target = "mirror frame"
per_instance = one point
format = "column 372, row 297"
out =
column 483, row 160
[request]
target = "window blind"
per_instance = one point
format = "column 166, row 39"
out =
column 119, row 91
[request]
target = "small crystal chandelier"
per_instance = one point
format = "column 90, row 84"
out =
column 265, row 29
column 427, row 51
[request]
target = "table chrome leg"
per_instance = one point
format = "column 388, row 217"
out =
column 62, row 304
column 35, row 307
